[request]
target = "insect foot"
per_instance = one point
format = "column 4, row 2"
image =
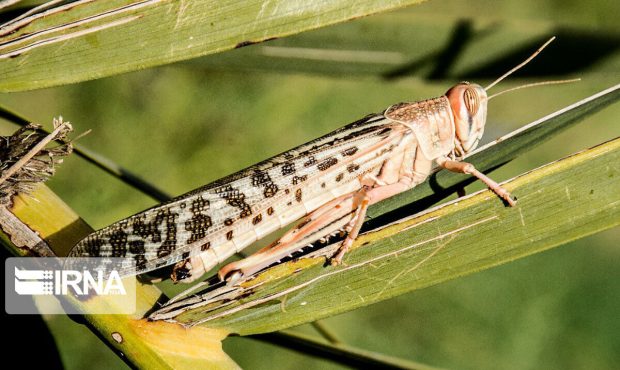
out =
column 232, row 277
column 337, row 258
column 181, row 271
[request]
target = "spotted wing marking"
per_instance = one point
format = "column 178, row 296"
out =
column 235, row 198
column 199, row 224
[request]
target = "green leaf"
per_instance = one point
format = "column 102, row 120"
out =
column 558, row 203
column 84, row 40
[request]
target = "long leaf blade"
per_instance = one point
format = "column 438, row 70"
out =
column 87, row 39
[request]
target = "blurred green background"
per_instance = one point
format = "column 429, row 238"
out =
column 184, row 125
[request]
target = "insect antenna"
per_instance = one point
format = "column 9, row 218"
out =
column 532, row 85
column 520, row 64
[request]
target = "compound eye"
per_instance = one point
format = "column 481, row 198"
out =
column 471, row 100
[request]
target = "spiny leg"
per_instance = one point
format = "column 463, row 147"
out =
column 293, row 240
column 192, row 268
column 353, row 227
column 353, row 205
column 396, row 176
column 468, row 168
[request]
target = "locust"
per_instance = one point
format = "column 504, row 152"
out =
column 335, row 177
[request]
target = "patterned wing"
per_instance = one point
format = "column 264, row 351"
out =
column 194, row 222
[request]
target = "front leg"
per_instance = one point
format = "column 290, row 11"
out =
column 468, row 168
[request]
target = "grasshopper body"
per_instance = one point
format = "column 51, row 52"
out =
column 328, row 181
column 330, row 177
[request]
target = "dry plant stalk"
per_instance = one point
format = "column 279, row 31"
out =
column 25, row 161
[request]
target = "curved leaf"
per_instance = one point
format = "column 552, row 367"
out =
column 86, row 39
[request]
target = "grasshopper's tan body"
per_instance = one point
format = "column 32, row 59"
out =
column 329, row 181
column 335, row 176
